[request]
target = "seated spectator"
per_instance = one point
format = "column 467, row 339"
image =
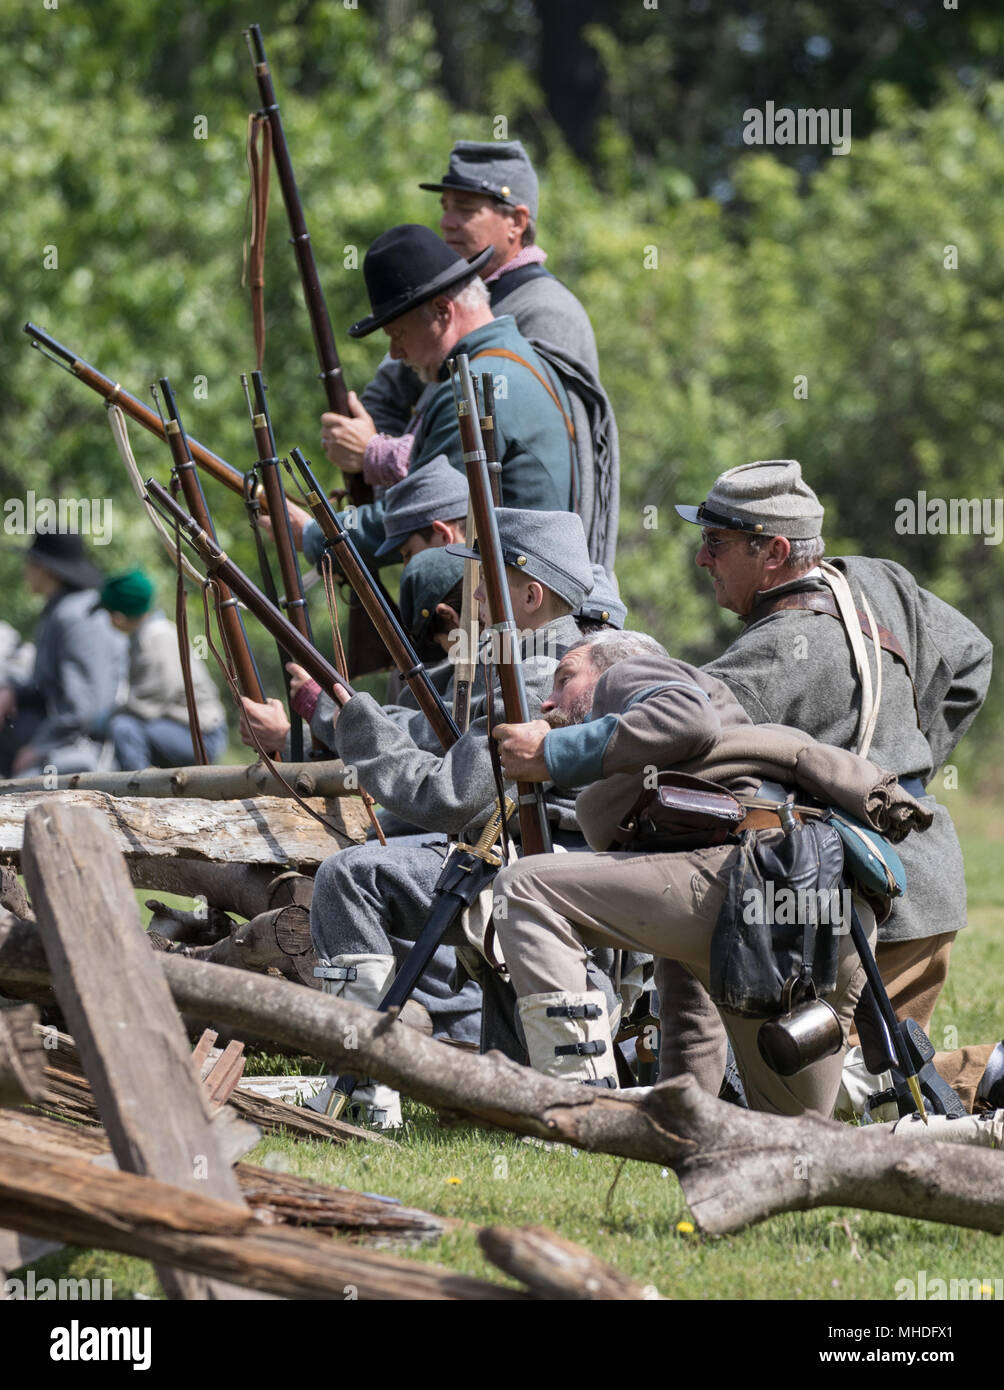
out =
column 47, row 712
column 150, row 727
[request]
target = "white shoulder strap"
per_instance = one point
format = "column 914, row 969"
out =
column 848, row 613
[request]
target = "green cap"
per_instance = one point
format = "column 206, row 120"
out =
column 130, row 592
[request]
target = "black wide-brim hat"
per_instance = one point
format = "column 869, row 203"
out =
column 62, row 554
column 407, row 266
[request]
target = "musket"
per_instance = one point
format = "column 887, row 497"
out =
column 317, row 309
column 378, row 607
column 535, row 832
column 465, row 669
column 365, row 652
column 488, row 437
column 293, row 602
column 115, row 394
column 216, row 560
column 230, row 619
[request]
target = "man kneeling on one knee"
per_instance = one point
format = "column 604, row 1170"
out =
column 645, row 714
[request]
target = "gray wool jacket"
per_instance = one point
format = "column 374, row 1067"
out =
column 80, row 661
column 795, row 667
column 655, row 713
column 550, row 317
column 400, row 763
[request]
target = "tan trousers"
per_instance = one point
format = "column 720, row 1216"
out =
column 554, row 906
column 914, row 974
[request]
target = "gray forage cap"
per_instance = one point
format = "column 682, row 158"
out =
column 427, row 580
column 498, row 169
column 603, row 604
column 768, row 498
column 435, row 492
column 547, row 546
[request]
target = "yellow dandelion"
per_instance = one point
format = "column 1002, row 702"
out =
column 986, row 1288
column 685, row 1228
column 454, row 1182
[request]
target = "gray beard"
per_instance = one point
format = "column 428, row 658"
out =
column 561, row 719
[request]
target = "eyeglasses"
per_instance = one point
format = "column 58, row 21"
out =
column 714, row 544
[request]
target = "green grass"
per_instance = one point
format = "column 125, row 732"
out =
column 634, row 1223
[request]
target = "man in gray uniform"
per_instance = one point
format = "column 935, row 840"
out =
column 489, row 197
column 368, row 896
column 794, row 663
column 650, row 712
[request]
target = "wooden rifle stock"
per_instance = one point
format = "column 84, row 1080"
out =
column 331, row 681
column 378, row 608
column 230, row 619
column 488, row 437
column 535, row 832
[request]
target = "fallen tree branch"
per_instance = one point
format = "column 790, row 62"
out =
column 22, row 1064
column 83, row 1204
column 227, row 783
column 735, row 1166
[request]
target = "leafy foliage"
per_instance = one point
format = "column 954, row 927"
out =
column 706, row 311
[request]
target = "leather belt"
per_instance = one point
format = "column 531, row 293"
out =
column 764, row 820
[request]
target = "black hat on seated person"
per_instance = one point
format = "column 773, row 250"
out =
column 62, row 554
column 408, row 266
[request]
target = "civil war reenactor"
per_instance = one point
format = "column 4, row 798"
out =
column 432, row 304
column 47, row 718
column 813, row 634
column 489, row 198
column 653, row 712
column 367, row 897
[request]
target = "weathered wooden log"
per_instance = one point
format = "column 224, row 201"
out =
column 83, row 1204
column 276, row 940
column 736, row 1167
column 241, row 889
column 555, row 1268
column 285, row 1198
column 201, row 926
column 22, row 1062
column 131, row 1041
column 68, row 1093
column 268, row 831
column 12, row 894
column 227, row 783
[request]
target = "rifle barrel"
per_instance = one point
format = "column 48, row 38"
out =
column 231, row 621
column 533, row 824
column 379, row 610
column 116, row 394
column 270, row 617
column 317, row 309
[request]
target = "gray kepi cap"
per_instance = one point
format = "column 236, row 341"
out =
column 428, row 579
column 435, row 492
column 499, row 169
column 603, row 604
column 547, row 546
column 767, row 498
